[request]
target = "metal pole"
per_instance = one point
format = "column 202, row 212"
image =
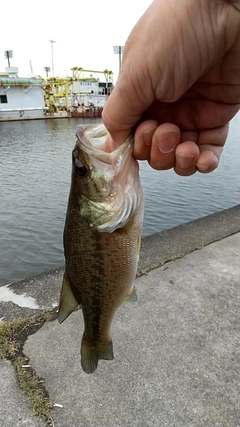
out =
column 52, row 41
column 120, row 58
column 119, row 51
column 52, row 59
column 8, row 54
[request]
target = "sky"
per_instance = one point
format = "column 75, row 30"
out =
column 85, row 33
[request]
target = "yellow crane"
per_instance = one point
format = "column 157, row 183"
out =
column 57, row 88
column 77, row 71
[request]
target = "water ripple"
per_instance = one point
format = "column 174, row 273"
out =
column 35, row 169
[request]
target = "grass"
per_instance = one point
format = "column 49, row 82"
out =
column 13, row 335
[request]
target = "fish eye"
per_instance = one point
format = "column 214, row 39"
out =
column 80, row 169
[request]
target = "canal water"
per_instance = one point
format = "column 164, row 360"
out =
column 35, row 169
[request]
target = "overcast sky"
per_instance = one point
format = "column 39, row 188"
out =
column 85, row 32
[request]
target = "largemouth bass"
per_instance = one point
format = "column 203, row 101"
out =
column 101, row 238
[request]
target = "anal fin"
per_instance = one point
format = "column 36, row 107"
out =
column 68, row 303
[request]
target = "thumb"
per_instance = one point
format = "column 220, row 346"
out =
column 124, row 107
column 133, row 92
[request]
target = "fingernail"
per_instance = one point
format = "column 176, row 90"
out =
column 147, row 136
column 213, row 163
column 167, row 141
column 202, row 167
column 184, row 162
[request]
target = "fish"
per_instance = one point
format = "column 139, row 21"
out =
column 102, row 238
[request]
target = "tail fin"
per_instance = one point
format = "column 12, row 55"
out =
column 90, row 355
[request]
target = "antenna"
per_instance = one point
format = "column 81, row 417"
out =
column 119, row 51
column 52, row 41
column 47, row 69
column 8, row 54
column 31, row 68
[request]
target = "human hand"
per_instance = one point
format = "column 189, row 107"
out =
column 179, row 85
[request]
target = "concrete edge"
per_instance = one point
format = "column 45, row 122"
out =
column 42, row 291
column 176, row 242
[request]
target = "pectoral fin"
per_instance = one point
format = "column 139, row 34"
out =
column 127, row 227
column 68, row 302
column 138, row 245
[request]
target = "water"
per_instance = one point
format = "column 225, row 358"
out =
column 35, row 168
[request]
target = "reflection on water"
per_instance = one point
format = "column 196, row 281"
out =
column 35, row 168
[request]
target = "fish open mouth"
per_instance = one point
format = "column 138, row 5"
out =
column 97, row 143
column 122, row 192
column 96, row 136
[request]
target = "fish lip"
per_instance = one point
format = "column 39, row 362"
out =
column 86, row 135
column 97, row 131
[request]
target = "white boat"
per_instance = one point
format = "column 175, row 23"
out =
column 39, row 98
column 20, row 98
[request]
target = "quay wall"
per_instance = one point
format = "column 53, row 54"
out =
column 160, row 248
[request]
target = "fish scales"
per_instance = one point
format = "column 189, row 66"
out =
column 98, row 272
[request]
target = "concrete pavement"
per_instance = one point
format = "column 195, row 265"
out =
column 15, row 410
column 177, row 351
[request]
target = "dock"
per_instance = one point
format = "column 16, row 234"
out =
column 177, row 351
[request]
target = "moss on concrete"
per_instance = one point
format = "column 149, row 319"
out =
column 13, row 335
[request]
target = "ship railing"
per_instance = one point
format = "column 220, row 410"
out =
column 23, row 109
